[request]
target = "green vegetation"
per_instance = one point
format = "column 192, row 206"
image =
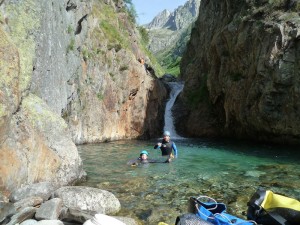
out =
column 115, row 46
column 292, row 6
column 276, row 3
column 112, row 75
column 39, row 114
column 236, row 76
column 71, row 45
column 1, row 18
column 89, row 80
column 131, row 11
column 113, row 31
column 85, row 54
column 297, row 7
column 70, row 29
column 170, row 62
column 170, row 58
column 100, row 96
column 159, row 70
column 144, row 35
column 199, row 95
column 113, row 35
column 143, row 45
column 124, row 67
column 174, row 67
column 24, row 21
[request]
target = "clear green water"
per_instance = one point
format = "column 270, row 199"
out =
column 228, row 171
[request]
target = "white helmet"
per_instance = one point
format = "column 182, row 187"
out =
column 167, row 133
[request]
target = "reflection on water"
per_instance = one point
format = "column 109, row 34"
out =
column 228, row 172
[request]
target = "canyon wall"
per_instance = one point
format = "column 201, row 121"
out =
column 242, row 71
column 69, row 75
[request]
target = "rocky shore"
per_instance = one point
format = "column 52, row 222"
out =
column 48, row 203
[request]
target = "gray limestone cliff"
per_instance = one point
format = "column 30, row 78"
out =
column 69, row 75
column 242, row 71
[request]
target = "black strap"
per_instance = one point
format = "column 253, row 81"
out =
column 278, row 218
column 270, row 218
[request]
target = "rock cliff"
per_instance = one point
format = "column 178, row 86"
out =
column 114, row 97
column 69, row 75
column 242, row 71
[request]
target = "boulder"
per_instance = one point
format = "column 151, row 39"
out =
column 6, row 210
column 74, row 214
column 24, row 214
column 29, row 222
column 126, row 220
column 89, row 199
column 49, row 222
column 101, row 219
column 30, row 201
column 50, row 210
column 42, row 189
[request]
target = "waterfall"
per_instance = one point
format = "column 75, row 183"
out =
column 176, row 88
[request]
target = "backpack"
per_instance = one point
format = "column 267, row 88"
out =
column 268, row 208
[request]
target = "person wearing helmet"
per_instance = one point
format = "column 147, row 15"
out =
column 144, row 155
column 167, row 146
column 143, row 159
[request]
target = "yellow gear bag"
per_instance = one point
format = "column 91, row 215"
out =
column 268, row 208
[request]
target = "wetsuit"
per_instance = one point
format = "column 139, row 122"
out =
column 140, row 161
column 167, row 147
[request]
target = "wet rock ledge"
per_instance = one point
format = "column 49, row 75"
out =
column 47, row 203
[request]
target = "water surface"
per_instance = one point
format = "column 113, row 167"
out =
column 228, row 171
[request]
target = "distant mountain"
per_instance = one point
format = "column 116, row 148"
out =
column 169, row 32
column 159, row 21
column 181, row 18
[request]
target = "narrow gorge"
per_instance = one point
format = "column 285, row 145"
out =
column 71, row 74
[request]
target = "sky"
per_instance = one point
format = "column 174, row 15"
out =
column 148, row 9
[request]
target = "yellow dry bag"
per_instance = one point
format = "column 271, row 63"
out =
column 268, row 208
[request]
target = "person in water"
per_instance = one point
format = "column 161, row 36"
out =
column 143, row 159
column 167, row 146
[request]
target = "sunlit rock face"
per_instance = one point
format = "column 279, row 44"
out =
column 35, row 141
column 66, row 80
column 113, row 97
column 242, row 72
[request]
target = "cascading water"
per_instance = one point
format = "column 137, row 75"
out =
column 176, row 88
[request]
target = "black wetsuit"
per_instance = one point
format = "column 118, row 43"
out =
column 166, row 148
column 140, row 161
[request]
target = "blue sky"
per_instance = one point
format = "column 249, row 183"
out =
column 148, row 9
